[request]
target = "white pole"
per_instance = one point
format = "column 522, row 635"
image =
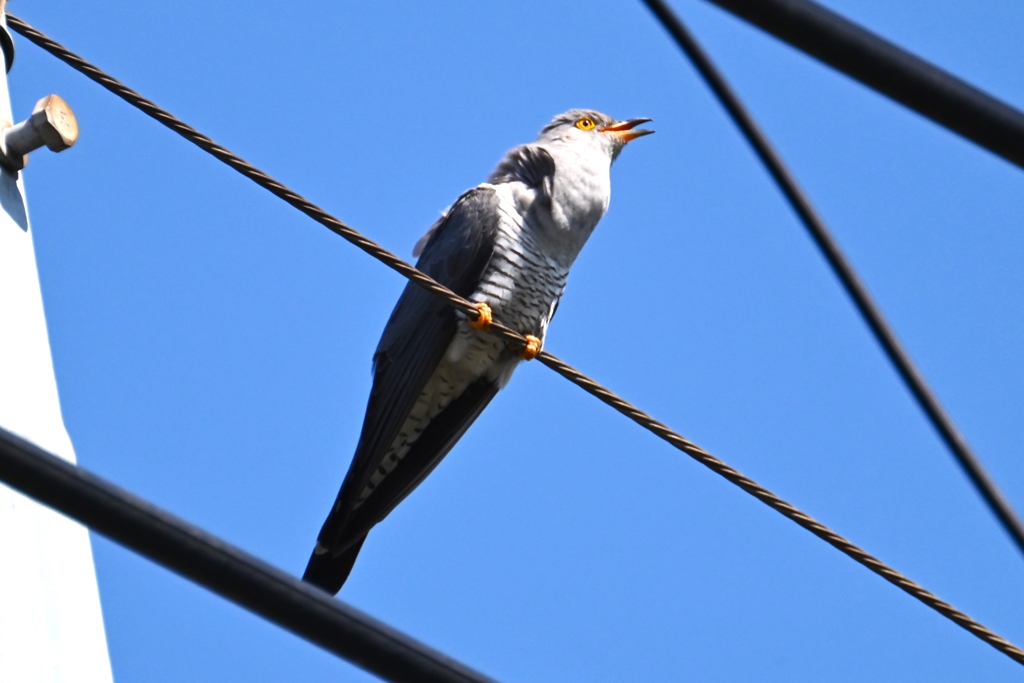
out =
column 51, row 626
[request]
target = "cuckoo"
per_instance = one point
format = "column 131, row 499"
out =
column 506, row 245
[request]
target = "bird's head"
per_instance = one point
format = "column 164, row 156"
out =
column 592, row 129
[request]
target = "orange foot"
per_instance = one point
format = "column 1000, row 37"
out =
column 531, row 349
column 483, row 319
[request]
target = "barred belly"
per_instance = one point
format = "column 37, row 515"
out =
column 522, row 287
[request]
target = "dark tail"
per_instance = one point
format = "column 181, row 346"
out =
column 329, row 571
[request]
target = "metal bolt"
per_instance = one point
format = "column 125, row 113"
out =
column 52, row 124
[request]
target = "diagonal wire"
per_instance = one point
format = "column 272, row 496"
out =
column 224, row 569
column 845, row 271
column 575, row 376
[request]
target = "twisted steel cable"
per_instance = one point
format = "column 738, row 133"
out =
column 561, row 367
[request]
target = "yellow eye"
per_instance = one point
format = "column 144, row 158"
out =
column 586, row 123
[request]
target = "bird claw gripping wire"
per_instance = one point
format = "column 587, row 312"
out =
column 531, row 349
column 484, row 318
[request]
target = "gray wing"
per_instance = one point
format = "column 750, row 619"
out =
column 529, row 164
column 416, row 336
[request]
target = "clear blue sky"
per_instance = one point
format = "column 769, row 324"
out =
column 212, row 345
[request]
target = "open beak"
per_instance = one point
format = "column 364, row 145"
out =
column 624, row 130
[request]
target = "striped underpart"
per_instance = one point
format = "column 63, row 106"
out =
column 522, row 286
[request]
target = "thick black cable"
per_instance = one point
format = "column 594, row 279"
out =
column 576, row 377
column 845, row 271
column 187, row 550
column 892, row 71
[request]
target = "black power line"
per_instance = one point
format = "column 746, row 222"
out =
column 890, row 70
column 646, row 421
column 224, row 569
column 842, row 267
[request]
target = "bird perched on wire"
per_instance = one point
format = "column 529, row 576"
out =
column 507, row 246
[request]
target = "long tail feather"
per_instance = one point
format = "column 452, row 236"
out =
column 328, row 571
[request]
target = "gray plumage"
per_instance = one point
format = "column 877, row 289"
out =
column 508, row 243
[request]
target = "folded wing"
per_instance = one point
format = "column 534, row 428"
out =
column 414, row 340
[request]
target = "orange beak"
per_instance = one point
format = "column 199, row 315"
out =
column 624, row 130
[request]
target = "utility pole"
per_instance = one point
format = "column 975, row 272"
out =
column 51, row 625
